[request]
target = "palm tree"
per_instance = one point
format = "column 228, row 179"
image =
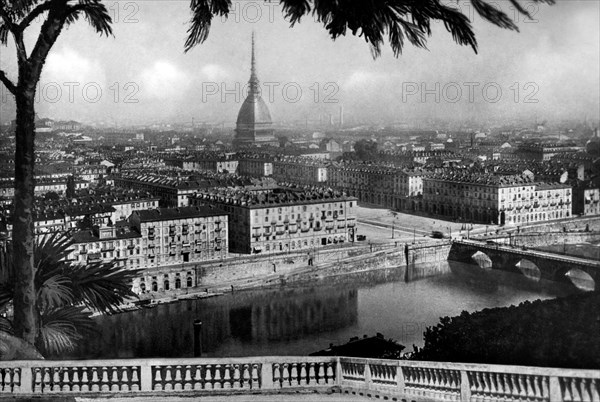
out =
column 400, row 20
column 15, row 17
column 67, row 294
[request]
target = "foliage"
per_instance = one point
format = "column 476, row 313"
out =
column 68, row 294
column 550, row 333
column 365, row 150
column 400, row 20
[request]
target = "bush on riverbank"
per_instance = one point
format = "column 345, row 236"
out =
column 563, row 332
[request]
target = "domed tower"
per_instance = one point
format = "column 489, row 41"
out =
column 254, row 125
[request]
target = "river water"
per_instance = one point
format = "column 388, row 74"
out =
column 303, row 318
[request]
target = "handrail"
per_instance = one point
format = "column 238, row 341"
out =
column 411, row 380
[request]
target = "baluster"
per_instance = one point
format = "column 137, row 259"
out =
column 255, row 376
column 294, row 375
column 227, row 376
column 16, row 380
column 158, row 385
column 285, row 376
column 487, row 389
column 135, row 379
column 237, row 380
column 529, row 387
column 37, row 380
column 104, row 386
column 445, row 384
column 424, row 380
column 114, row 380
column 208, row 384
column 595, row 390
column 312, row 378
column 576, row 389
column 178, row 386
column 499, row 381
column 566, row 388
column 586, row 393
column 246, row 376
column 303, row 379
column 494, row 387
column 197, row 379
column 217, row 378
column 407, row 374
column 125, row 386
column 536, row 389
column 85, row 384
column 474, row 381
column 456, row 381
column 276, row 374
column 330, row 374
column 55, row 379
column 66, row 387
column 522, row 387
column 75, row 387
column 545, row 387
column 416, row 380
column 435, row 381
column 510, row 387
column 95, row 380
column 187, row 378
column 320, row 374
column 168, row 381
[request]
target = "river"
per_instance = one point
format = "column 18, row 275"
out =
column 303, row 318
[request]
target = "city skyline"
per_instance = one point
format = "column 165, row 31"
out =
column 142, row 75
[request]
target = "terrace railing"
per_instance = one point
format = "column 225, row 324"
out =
column 387, row 379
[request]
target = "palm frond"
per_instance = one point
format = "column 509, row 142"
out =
column 203, row 12
column 55, row 291
column 101, row 286
column 95, row 14
column 62, row 328
column 401, row 20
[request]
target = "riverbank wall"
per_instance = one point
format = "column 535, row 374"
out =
column 396, row 260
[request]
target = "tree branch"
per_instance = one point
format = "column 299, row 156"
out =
column 8, row 83
column 49, row 32
column 38, row 10
column 6, row 18
column 20, row 45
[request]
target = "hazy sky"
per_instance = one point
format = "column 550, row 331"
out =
column 549, row 70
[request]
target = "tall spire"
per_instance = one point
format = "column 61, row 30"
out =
column 253, row 78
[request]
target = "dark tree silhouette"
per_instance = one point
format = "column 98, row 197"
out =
column 400, row 20
column 15, row 18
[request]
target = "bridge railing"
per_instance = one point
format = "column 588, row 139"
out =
column 412, row 380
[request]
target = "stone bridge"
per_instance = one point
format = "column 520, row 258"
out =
column 552, row 266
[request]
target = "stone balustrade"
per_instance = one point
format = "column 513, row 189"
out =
column 386, row 379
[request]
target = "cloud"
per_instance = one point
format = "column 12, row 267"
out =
column 214, row 72
column 361, row 79
column 162, row 80
column 66, row 65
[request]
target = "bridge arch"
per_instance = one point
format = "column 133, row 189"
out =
column 482, row 259
column 580, row 279
column 529, row 269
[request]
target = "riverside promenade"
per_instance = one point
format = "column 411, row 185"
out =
column 284, row 378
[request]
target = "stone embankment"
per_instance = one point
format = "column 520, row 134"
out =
column 398, row 259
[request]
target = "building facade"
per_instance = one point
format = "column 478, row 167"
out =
column 284, row 219
column 493, row 199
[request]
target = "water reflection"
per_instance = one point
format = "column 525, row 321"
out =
column 299, row 320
